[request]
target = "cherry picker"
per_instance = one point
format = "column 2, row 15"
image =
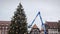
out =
column 43, row 25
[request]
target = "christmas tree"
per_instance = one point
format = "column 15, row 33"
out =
column 18, row 23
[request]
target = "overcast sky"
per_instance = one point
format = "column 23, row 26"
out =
column 50, row 9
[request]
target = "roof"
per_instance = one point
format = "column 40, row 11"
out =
column 5, row 22
column 35, row 26
column 52, row 24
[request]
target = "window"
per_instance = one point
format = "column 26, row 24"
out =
column 53, row 31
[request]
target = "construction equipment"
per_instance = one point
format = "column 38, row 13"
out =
column 43, row 25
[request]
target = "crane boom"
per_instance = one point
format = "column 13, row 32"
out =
column 43, row 25
column 32, row 22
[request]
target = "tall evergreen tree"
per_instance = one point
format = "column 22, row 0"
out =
column 18, row 23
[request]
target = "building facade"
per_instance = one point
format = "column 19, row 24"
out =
column 4, row 27
column 35, row 30
column 51, row 28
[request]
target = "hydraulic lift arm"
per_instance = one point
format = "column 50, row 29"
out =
column 43, row 25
